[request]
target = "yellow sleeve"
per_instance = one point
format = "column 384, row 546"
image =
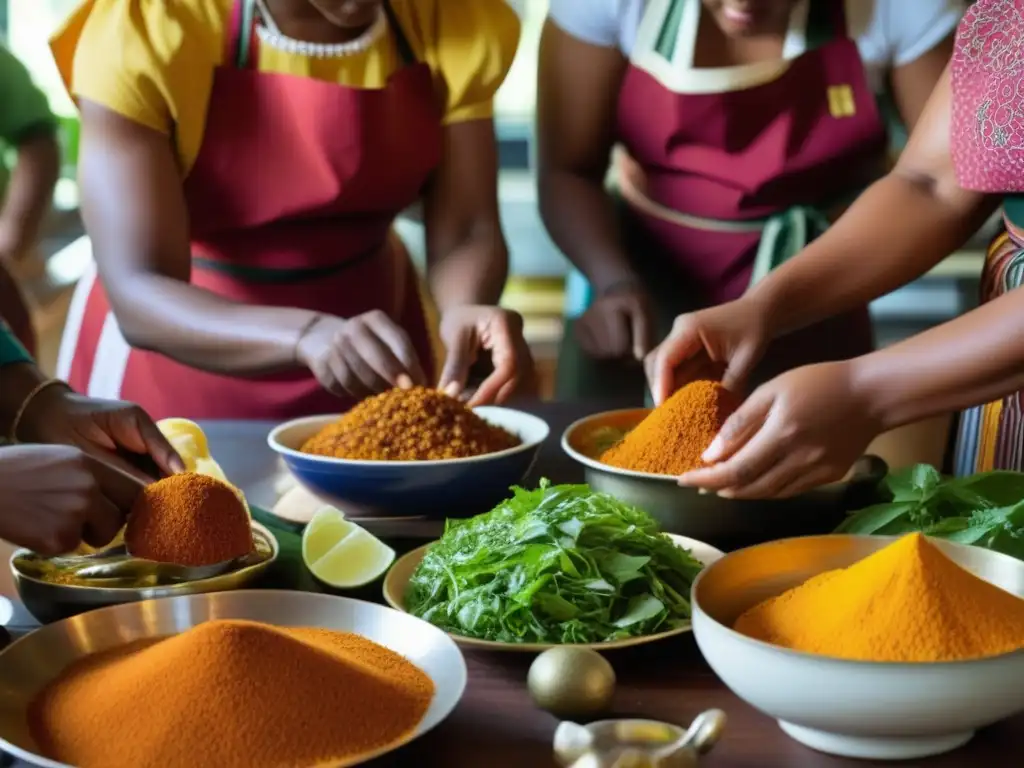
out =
column 148, row 60
column 470, row 44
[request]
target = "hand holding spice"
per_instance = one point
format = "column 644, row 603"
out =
column 671, row 440
column 417, row 424
column 906, row 603
column 189, row 519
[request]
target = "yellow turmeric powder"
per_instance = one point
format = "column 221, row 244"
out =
column 907, row 602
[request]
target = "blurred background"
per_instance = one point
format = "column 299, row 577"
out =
column 538, row 269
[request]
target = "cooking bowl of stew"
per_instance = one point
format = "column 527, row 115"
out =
column 436, row 489
column 724, row 523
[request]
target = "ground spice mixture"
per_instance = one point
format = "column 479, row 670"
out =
column 189, row 519
column 671, row 440
column 231, row 694
column 906, row 603
column 417, row 424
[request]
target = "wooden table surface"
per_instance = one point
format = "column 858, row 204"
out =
column 497, row 726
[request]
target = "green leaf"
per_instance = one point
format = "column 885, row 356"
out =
column 558, row 564
column 641, row 608
column 872, row 519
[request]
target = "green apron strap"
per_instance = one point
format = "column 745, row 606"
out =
column 665, row 46
column 786, row 234
column 245, row 29
column 1013, row 210
column 826, row 21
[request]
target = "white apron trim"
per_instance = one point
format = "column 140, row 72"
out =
column 110, row 363
column 680, row 76
column 76, row 313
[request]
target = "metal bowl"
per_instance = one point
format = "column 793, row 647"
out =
column 874, row 711
column 49, row 602
column 724, row 523
column 33, row 661
column 436, row 489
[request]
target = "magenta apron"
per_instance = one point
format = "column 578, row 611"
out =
column 291, row 200
column 727, row 172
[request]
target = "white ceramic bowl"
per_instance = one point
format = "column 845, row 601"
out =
column 856, row 709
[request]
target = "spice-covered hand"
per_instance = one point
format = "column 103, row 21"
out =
column 618, row 324
column 467, row 331
column 56, row 496
column 733, row 335
column 802, row 429
column 120, row 433
column 361, row 356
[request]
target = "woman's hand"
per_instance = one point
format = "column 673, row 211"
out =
column 119, row 433
column 361, row 356
column 732, row 335
column 801, row 430
column 56, row 496
column 618, row 324
column 469, row 330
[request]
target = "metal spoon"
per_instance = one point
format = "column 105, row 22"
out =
column 118, row 563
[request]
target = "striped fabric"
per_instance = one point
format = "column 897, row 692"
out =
column 991, row 436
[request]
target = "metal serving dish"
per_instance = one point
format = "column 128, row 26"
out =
column 49, row 601
column 872, row 711
column 33, row 661
column 724, row 523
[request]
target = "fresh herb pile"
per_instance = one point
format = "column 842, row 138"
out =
column 986, row 510
column 561, row 564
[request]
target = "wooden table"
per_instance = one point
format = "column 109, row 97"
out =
column 497, row 726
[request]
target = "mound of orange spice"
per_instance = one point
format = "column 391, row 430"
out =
column 908, row 602
column 673, row 437
column 231, row 694
column 417, row 424
column 189, row 519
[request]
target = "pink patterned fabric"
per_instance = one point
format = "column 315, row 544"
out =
column 987, row 139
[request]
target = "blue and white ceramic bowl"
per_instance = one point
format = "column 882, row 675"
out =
column 436, row 489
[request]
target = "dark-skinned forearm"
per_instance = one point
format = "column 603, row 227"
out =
column 29, row 195
column 17, row 380
column 894, row 233
column 972, row 360
column 580, row 216
column 471, row 272
column 206, row 331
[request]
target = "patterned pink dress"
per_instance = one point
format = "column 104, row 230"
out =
column 987, row 144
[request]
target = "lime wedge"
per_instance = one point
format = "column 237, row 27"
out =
column 340, row 553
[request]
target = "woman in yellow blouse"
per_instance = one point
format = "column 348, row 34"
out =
column 242, row 164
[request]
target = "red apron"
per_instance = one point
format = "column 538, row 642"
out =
column 291, row 201
column 741, row 158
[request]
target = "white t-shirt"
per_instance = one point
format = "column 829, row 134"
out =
column 889, row 33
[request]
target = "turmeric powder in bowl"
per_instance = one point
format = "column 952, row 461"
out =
column 673, row 437
column 189, row 519
column 907, row 602
column 416, row 424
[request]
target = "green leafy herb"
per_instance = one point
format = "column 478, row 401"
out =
column 561, row 564
column 986, row 510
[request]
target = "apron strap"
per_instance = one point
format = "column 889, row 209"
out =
column 668, row 35
column 242, row 43
column 785, row 234
column 826, row 21
column 405, row 50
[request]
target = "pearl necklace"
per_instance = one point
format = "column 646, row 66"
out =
column 271, row 34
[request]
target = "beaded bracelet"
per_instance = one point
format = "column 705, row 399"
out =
column 36, row 391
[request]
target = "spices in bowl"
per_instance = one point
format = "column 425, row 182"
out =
column 189, row 519
column 907, row 602
column 673, row 437
column 238, row 694
column 416, row 424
